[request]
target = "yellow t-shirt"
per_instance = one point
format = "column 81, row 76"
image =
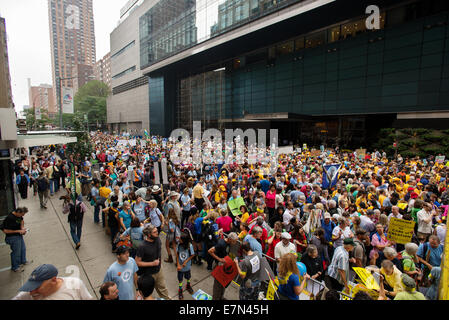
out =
column 104, row 192
column 198, row 191
column 394, row 280
column 244, row 217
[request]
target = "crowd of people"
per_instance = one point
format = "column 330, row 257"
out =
column 304, row 232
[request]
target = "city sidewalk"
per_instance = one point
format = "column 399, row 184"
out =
column 49, row 241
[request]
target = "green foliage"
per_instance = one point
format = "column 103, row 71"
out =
column 446, row 131
column 83, row 147
column 432, row 137
column 33, row 124
column 432, row 150
column 421, row 131
column 90, row 100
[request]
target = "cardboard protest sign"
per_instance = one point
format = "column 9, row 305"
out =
column 440, row 159
column 361, row 153
column 315, row 153
column 225, row 273
column 367, row 278
column 235, row 205
column 400, row 231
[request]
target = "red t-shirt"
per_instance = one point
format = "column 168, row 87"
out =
column 270, row 252
column 224, row 223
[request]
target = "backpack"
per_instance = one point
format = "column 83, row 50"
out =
column 56, row 174
column 208, row 232
column 42, row 185
column 75, row 212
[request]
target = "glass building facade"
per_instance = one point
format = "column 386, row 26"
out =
column 172, row 26
column 331, row 79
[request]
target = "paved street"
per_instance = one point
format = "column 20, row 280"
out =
column 49, row 241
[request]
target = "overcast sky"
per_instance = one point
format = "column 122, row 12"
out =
column 29, row 40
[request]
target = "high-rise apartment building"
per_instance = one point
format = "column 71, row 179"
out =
column 42, row 97
column 82, row 74
column 5, row 78
column 72, row 37
column 102, row 69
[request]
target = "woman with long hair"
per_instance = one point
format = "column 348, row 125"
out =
column 173, row 230
column 288, row 274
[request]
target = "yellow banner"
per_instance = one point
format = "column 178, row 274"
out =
column 400, row 231
column 367, row 278
column 444, row 279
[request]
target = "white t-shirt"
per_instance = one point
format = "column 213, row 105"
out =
column 280, row 249
column 346, row 234
column 424, row 227
column 441, row 233
column 71, row 289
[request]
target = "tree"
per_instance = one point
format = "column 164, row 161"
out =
column 32, row 123
column 83, row 146
column 90, row 101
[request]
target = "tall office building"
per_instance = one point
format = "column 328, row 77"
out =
column 72, row 37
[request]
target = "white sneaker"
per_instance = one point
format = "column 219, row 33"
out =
column 19, row 269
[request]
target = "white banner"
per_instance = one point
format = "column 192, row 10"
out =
column 67, row 100
column 37, row 113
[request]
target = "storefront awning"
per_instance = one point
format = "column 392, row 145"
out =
column 27, row 141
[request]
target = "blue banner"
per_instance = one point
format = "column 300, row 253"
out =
column 330, row 175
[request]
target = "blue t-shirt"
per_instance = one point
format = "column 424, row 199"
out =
column 197, row 225
column 135, row 233
column 328, row 228
column 287, row 287
column 254, row 244
column 154, row 217
column 435, row 253
column 123, row 277
column 127, row 218
column 185, row 199
column 185, row 254
column 139, row 210
column 265, row 185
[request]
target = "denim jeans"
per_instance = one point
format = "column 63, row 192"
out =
column 18, row 250
column 97, row 214
column 75, row 230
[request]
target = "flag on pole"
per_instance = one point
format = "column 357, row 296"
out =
column 330, row 175
column 146, row 133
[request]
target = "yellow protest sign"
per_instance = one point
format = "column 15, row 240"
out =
column 444, row 280
column 359, row 287
column 400, row 231
column 272, row 288
column 367, row 278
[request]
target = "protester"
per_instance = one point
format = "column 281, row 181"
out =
column 289, row 285
column 148, row 259
column 44, row 284
column 123, row 273
column 109, row 291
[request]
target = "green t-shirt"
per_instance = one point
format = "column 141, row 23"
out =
column 407, row 295
column 414, row 215
column 407, row 262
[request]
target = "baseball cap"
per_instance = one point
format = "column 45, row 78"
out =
column 349, row 241
column 121, row 250
column 327, row 215
column 38, row 276
column 286, row 235
column 408, row 281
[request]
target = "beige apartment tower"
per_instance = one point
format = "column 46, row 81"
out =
column 5, row 78
column 72, row 38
